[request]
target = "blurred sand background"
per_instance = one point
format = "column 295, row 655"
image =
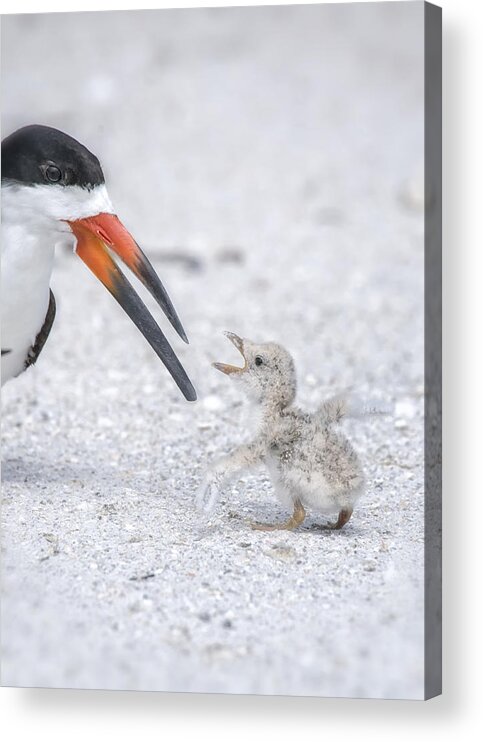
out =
column 270, row 162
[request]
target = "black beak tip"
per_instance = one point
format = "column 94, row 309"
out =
column 190, row 394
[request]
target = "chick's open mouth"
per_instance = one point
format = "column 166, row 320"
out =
column 226, row 368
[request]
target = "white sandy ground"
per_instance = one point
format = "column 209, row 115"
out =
column 269, row 161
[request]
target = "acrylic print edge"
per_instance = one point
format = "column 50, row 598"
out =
column 433, row 350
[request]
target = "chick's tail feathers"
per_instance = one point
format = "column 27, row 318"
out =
column 347, row 404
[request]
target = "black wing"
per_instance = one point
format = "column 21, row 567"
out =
column 43, row 334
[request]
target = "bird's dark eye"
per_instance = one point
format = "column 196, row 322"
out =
column 258, row 360
column 52, row 173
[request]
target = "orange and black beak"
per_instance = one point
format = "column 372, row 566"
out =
column 96, row 236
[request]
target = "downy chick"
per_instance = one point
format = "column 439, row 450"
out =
column 310, row 463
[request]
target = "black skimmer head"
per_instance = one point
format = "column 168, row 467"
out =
column 53, row 185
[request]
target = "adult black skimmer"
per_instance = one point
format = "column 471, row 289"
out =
column 53, row 187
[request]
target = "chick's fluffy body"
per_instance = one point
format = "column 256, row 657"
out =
column 310, row 462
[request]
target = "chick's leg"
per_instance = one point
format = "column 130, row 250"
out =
column 295, row 520
column 344, row 516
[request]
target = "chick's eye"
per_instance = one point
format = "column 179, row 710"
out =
column 53, row 174
column 258, row 360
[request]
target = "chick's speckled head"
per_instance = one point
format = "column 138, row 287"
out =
column 268, row 373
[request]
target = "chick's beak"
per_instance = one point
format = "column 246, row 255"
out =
column 96, row 235
column 226, row 368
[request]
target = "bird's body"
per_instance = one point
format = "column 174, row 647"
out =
column 33, row 224
column 25, row 296
column 311, row 464
column 53, row 191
